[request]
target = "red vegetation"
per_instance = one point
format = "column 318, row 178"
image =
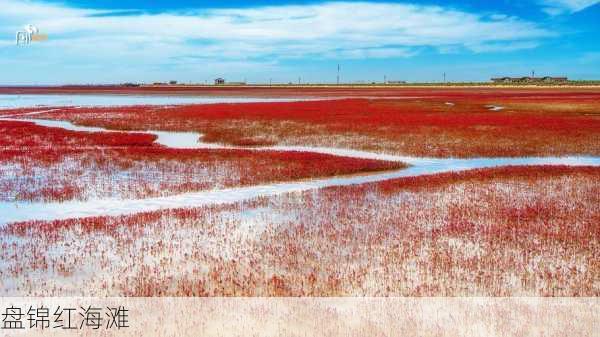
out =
column 17, row 111
column 482, row 175
column 516, row 231
column 40, row 163
column 26, row 135
column 417, row 126
column 532, row 218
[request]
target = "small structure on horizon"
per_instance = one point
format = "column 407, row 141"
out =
column 530, row 79
column 219, row 81
column 172, row 82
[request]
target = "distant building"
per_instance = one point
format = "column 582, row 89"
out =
column 555, row 79
column 172, row 82
column 529, row 79
column 396, row 82
column 219, row 81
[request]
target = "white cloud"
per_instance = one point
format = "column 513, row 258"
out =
column 502, row 46
column 371, row 53
column 557, row 7
column 255, row 36
column 359, row 29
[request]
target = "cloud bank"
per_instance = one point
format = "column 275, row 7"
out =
column 557, row 7
column 198, row 44
column 328, row 30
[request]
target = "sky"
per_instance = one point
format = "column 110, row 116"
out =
column 102, row 41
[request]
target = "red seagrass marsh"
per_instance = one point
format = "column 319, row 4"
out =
column 333, row 191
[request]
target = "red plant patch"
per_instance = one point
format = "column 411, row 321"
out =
column 526, row 173
column 417, row 126
column 517, row 231
column 41, row 163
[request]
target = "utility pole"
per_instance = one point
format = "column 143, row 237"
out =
column 384, row 79
column 299, row 80
column 444, row 77
column 533, row 73
column 338, row 75
column 270, row 82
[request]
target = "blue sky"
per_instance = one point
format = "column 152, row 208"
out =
column 106, row 41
